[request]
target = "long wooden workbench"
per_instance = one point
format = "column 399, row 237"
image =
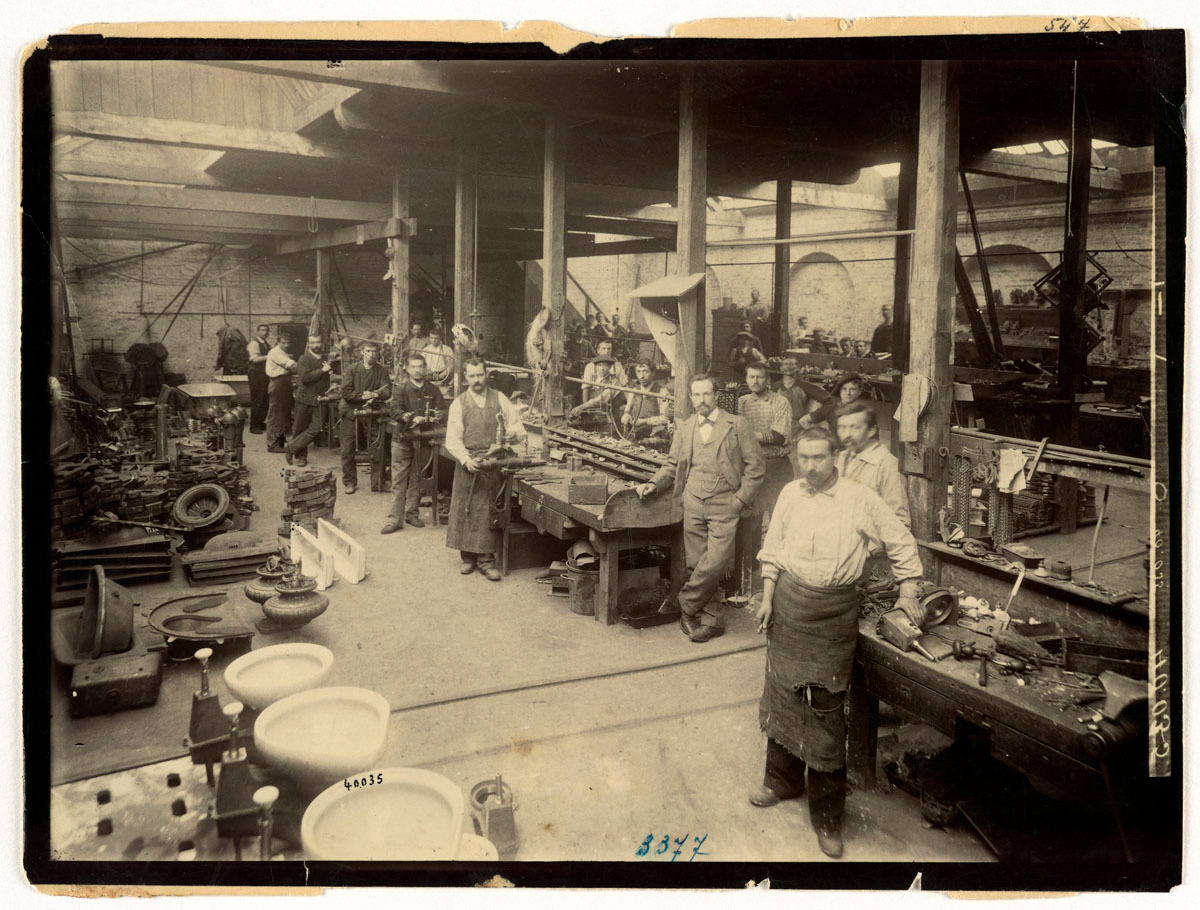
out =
column 622, row 522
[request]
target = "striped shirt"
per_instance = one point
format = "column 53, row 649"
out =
column 766, row 413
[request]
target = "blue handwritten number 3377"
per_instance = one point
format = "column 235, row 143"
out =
column 665, row 845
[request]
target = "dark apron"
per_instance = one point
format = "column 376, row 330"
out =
column 472, row 500
column 810, row 655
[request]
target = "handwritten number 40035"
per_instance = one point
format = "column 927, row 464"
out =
column 370, row 780
column 665, row 845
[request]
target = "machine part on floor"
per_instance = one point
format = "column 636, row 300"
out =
column 116, row 683
column 104, row 625
column 233, row 807
column 262, row 588
column 207, row 727
column 232, row 556
column 201, row 506
column 1060, row 570
column 264, row 798
column 495, row 815
column 206, row 618
column 128, row 556
column 296, row 603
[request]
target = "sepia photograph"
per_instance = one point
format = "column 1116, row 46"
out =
column 461, row 461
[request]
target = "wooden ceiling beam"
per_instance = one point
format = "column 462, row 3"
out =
column 1039, row 169
column 66, row 191
column 91, row 168
column 100, row 213
column 86, row 230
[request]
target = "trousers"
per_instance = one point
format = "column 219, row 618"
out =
column 306, row 427
column 826, row 789
column 408, row 468
column 279, row 410
column 348, row 436
column 259, row 398
column 709, row 536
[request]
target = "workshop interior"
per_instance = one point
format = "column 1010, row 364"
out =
column 321, row 332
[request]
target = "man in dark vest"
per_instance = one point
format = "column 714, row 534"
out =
column 476, row 418
column 416, row 405
column 714, row 470
column 363, row 385
column 312, row 375
column 256, row 372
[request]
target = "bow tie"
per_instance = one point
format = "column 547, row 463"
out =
column 706, row 421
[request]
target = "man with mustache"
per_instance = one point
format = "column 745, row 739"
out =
column 363, row 383
column 714, row 471
column 471, row 430
column 822, row 531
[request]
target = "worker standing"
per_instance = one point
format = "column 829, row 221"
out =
column 279, row 369
column 881, row 338
column 312, row 374
column 471, row 431
column 864, row 459
column 770, row 418
column 714, row 471
column 789, row 387
column 847, row 389
column 362, row 384
column 416, row 405
column 256, row 373
column 821, row 533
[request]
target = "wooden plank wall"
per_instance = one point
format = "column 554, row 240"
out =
column 178, row 90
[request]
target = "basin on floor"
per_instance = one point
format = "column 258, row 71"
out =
column 407, row 814
column 266, row 675
column 323, row 735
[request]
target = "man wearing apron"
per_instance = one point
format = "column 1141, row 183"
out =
column 471, row 430
column 821, row 532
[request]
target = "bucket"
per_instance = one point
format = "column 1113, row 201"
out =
column 581, row 586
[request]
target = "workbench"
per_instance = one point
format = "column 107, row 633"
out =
column 1045, row 741
column 622, row 522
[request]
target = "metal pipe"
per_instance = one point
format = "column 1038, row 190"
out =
column 813, row 238
column 1065, row 450
column 620, row 388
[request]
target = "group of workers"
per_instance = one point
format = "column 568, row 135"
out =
column 833, row 500
column 816, row 476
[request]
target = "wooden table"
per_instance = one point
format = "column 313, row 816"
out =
column 623, row 522
column 1018, row 726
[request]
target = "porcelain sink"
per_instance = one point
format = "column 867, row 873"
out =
column 323, row 735
column 266, row 675
column 406, row 814
column 477, row 849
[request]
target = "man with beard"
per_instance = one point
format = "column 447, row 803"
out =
column 363, row 383
column 820, row 536
column 312, row 373
column 416, row 404
column 471, row 430
column 714, row 471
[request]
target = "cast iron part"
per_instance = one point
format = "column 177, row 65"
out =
column 234, row 809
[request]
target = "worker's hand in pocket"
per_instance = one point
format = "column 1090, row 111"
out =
column 912, row 609
column 765, row 616
column 645, row 489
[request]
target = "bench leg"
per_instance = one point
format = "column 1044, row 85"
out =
column 863, row 732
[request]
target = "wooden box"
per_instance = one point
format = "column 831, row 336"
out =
column 588, row 489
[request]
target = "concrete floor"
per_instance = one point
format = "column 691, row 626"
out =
column 607, row 734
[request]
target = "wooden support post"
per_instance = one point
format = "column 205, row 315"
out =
column 780, row 293
column 1071, row 359
column 906, row 203
column 554, row 257
column 690, row 237
column 465, row 212
column 398, row 250
column 321, row 321
column 931, row 292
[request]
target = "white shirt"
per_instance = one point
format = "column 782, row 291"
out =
column 824, row 538
column 439, row 358
column 513, row 426
column 278, row 363
column 704, row 427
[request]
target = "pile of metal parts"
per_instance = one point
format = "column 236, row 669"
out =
column 75, row 494
column 310, row 493
column 131, row 555
column 232, row 556
column 617, row 457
